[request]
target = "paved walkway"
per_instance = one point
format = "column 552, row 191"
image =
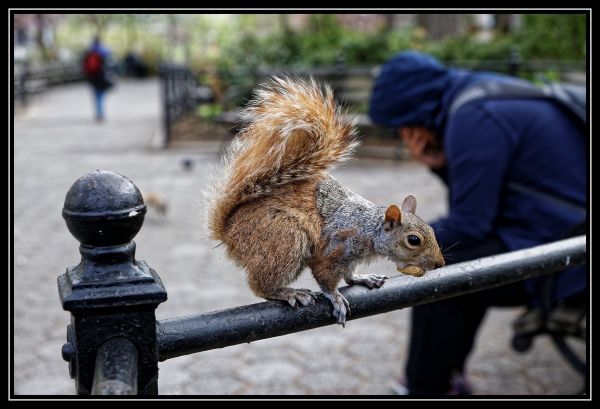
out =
column 56, row 141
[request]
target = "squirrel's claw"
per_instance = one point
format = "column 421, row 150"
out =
column 305, row 297
column 299, row 296
column 341, row 306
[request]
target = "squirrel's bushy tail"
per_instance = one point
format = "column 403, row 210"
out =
column 295, row 132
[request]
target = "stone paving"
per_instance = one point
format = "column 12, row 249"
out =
column 56, row 141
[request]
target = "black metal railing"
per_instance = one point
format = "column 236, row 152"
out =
column 29, row 79
column 112, row 297
column 180, row 94
column 116, row 368
column 186, row 335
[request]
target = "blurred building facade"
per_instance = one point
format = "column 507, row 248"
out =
column 436, row 26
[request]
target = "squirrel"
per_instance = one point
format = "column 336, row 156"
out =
column 155, row 200
column 278, row 211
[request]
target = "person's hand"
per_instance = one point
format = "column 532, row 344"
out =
column 423, row 146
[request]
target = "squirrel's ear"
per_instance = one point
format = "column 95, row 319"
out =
column 409, row 204
column 392, row 217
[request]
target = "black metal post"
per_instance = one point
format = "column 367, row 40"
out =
column 116, row 368
column 109, row 293
column 186, row 335
column 166, row 103
column 514, row 62
column 23, row 83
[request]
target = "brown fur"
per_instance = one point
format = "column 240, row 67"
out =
column 265, row 209
column 272, row 238
column 326, row 268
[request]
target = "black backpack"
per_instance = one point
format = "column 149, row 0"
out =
column 573, row 98
column 569, row 96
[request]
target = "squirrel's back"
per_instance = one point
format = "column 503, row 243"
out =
column 295, row 133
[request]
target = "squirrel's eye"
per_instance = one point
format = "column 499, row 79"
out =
column 413, row 240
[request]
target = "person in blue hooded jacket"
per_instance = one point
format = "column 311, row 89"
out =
column 96, row 71
column 516, row 173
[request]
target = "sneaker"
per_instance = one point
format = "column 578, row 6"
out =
column 460, row 386
column 399, row 387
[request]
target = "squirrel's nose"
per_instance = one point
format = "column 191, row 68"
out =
column 440, row 262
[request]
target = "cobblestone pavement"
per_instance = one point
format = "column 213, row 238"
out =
column 56, row 141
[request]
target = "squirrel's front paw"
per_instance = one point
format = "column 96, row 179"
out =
column 341, row 307
column 368, row 280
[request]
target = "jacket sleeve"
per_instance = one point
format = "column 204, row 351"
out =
column 478, row 147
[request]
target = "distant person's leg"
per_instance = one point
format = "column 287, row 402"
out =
column 443, row 332
column 99, row 102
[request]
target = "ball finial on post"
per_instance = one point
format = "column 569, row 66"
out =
column 103, row 208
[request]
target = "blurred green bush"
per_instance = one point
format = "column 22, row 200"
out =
column 325, row 42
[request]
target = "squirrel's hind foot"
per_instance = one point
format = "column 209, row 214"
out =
column 294, row 296
column 341, row 306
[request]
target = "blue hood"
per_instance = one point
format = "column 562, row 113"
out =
column 414, row 89
column 98, row 47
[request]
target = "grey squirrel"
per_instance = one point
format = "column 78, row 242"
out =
column 277, row 210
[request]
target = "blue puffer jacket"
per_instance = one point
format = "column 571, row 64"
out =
column 491, row 145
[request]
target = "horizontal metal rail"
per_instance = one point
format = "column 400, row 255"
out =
column 186, row 335
column 116, row 371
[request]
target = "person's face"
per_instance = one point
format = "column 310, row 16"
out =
column 423, row 146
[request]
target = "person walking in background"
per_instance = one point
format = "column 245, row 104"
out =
column 517, row 177
column 96, row 70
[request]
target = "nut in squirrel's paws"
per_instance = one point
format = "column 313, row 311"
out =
column 412, row 270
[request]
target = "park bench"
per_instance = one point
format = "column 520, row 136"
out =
column 351, row 87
